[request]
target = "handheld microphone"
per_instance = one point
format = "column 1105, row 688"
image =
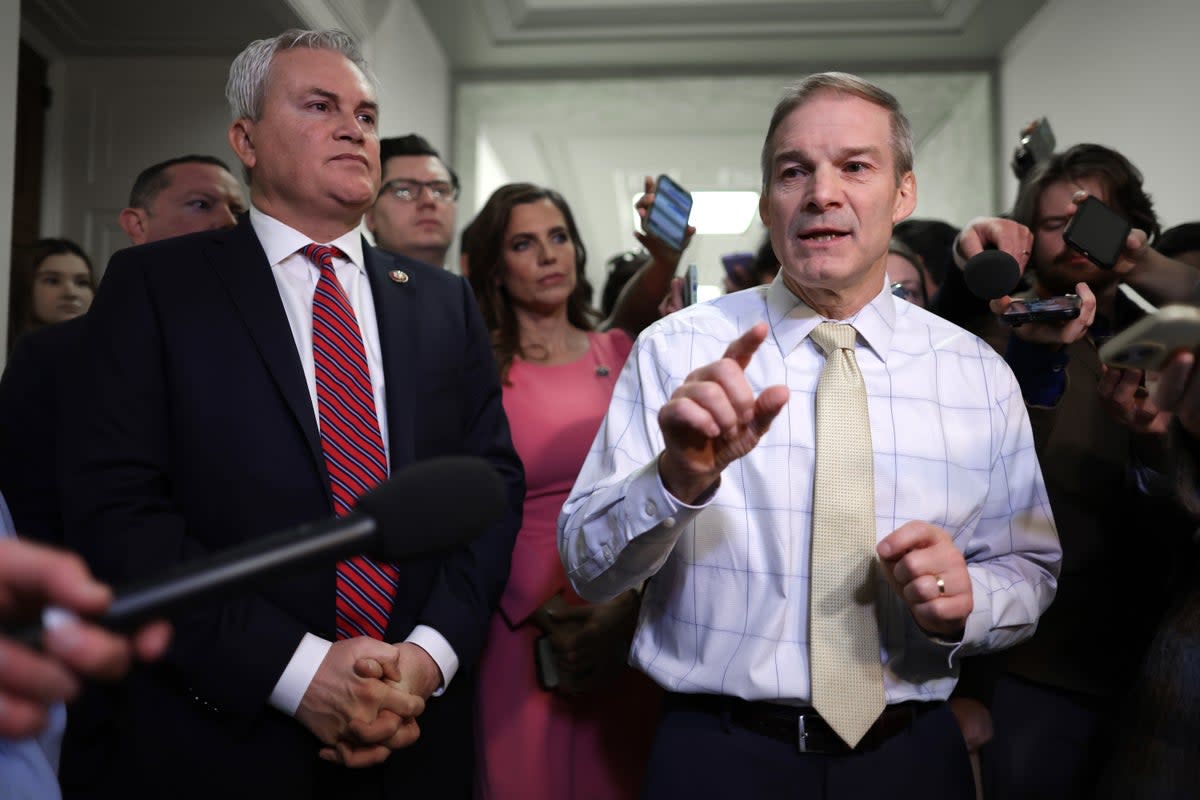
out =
column 428, row 507
column 991, row 274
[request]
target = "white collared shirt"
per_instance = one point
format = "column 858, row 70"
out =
column 725, row 610
column 296, row 277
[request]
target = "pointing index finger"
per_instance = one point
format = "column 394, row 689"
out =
column 742, row 349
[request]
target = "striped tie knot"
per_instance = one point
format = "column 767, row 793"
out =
column 322, row 254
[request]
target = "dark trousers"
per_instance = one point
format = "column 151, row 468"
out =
column 1047, row 744
column 703, row 754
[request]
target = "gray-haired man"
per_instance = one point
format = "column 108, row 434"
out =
column 265, row 379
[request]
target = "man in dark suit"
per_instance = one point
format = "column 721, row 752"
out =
column 171, row 198
column 212, row 358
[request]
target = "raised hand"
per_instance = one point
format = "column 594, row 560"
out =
column 714, row 418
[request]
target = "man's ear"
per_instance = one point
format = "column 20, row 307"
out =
column 763, row 203
column 241, row 139
column 133, row 222
column 906, row 197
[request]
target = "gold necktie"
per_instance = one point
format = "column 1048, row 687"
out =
column 843, row 645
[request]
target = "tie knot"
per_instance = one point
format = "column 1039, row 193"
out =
column 322, row 254
column 830, row 336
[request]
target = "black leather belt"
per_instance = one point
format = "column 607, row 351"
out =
column 800, row 726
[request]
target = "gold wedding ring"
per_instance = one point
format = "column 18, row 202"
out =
column 941, row 584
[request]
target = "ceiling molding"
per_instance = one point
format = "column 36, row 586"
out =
column 506, row 38
column 530, row 21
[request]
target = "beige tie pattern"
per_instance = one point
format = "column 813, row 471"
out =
column 847, row 677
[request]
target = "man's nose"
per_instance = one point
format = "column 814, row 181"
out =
column 823, row 189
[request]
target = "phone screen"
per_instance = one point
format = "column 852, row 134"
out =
column 668, row 216
column 1097, row 232
column 1051, row 309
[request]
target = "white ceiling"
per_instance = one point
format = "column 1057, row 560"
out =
column 491, row 37
column 486, row 38
column 597, row 138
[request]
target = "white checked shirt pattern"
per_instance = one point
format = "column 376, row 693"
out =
column 727, row 609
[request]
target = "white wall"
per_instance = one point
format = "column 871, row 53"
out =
column 1121, row 74
column 119, row 115
column 414, row 75
column 594, row 140
column 10, row 26
column 112, row 117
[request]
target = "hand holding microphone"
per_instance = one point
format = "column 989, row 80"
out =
column 998, row 251
column 428, row 507
column 30, row 577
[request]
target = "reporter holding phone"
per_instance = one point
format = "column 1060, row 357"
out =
column 588, row 735
column 1099, row 441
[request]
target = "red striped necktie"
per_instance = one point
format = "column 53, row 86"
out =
column 352, row 444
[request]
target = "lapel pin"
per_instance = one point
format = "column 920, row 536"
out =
column 398, row 275
column 601, row 370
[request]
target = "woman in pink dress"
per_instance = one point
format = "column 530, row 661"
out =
column 590, row 735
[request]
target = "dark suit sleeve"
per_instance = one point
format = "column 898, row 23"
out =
column 28, row 431
column 471, row 581
column 121, row 481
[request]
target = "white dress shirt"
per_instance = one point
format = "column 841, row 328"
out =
column 726, row 608
column 296, row 276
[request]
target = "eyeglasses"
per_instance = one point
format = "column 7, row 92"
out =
column 407, row 191
column 909, row 293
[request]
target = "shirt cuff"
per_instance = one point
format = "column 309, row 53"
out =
column 300, row 671
column 439, row 650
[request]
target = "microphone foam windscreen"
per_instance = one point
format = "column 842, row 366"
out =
column 434, row 505
column 991, row 274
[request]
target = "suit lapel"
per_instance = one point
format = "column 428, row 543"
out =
column 241, row 264
column 399, row 337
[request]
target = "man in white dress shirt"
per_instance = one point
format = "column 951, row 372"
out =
column 701, row 483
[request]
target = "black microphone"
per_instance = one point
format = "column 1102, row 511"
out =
column 991, row 274
column 428, row 507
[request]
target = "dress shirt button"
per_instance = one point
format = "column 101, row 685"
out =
column 669, row 522
column 651, row 508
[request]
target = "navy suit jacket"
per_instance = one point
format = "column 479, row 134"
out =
column 200, row 435
column 35, row 384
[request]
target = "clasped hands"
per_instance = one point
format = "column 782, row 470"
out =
column 714, row 418
column 364, row 701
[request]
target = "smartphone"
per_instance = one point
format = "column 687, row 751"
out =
column 738, row 268
column 1148, row 343
column 667, row 219
column 1035, row 145
column 1052, row 309
column 691, row 285
column 547, row 666
column 1097, row 232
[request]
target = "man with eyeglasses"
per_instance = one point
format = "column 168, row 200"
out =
column 414, row 213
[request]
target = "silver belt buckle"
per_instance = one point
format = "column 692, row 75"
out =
column 802, row 731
